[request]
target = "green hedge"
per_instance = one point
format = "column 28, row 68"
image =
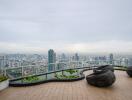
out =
column 71, row 76
column 71, row 71
column 3, row 78
column 31, row 79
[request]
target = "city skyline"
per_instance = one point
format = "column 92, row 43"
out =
column 66, row 26
column 65, row 49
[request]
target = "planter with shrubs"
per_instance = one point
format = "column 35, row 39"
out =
column 4, row 82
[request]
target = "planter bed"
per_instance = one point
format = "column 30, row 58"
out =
column 18, row 83
column 4, row 84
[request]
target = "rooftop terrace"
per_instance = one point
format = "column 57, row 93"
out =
column 79, row 90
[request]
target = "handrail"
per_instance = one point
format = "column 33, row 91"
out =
column 37, row 69
column 50, row 72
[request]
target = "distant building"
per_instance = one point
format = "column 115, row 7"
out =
column 3, row 61
column 51, row 59
column 76, row 57
column 130, row 62
column 111, row 59
column 63, row 58
column 124, row 62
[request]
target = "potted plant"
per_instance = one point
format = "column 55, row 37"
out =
column 4, row 82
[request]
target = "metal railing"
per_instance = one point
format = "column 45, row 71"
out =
column 23, row 71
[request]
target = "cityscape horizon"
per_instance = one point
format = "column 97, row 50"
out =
column 69, row 53
column 65, row 49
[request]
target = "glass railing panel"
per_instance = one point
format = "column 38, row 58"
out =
column 17, row 72
column 51, row 76
column 14, row 73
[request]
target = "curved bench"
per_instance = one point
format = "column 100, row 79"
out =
column 129, row 71
column 105, row 67
column 101, row 78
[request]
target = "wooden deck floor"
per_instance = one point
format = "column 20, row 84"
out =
column 80, row 90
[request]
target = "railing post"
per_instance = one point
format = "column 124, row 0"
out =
column 46, row 76
column 82, row 64
column 62, row 72
column 55, row 67
column 22, row 71
column 36, row 70
column 5, row 72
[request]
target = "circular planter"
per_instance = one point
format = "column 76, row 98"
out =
column 4, row 84
column 129, row 71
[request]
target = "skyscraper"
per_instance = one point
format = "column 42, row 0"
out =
column 111, row 59
column 3, row 61
column 76, row 57
column 51, row 60
column 63, row 58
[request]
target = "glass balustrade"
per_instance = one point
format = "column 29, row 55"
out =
column 23, row 71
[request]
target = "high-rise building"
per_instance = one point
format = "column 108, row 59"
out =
column 3, row 61
column 130, row 62
column 76, row 57
column 111, row 59
column 125, row 62
column 51, row 60
column 63, row 58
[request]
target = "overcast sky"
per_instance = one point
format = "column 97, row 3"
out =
column 83, row 26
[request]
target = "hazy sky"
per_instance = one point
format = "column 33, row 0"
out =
column 34, row 26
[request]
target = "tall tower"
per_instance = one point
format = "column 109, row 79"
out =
column 63, row 58
column 76, row 57
column 111, row 59
column 51, row 60
column 3, row 61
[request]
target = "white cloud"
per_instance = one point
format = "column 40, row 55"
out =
column 65, row 25
column 103, row 47
column 42, row 47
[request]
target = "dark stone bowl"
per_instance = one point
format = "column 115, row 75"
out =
column 129, row 71
column 105, row 67
column 101, row 79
